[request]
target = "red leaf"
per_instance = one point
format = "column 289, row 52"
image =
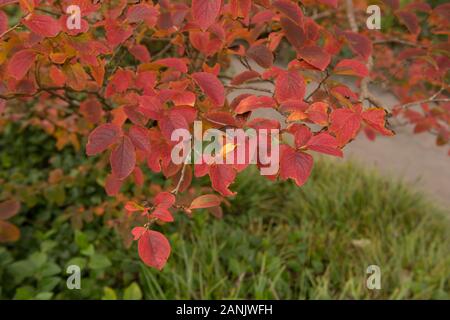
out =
column 318, row 113
column 42, row 25
column 261, row 54
column 205, row 201
column 102, row 137
column 3, row 22
column 137, row 232
column 244, row 76
column 345, row 124
column 315, row 56
column 140, row 52
column 132, row 206
column 254, row 102
column 154, row 249
column 138, row 176
column 296, row 165
column 92, row 110
column 294, row 33
column 174, row 63
column 151, row 107
column 8, row 209
column 20, row 63
column 164, row 200
column 142, row 12
column 162, row 214
column 211, row 86
column 376, row 118
column 290, row 9
column 171, row 122
column 112, row 185
column 117, row 32
column 410, row 20
column 324, row 143
column 205, row 12
column 58, row 77
column 359, row 43
column 140, row 138
column 289, row 86
column 123, row 159
column 8, row 232
column 222, row 175
column 302, row 134
column 351, row 67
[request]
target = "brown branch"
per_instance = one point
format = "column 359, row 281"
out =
column 411, row 104
column 351, row 15
column 183, row 170
column 10, row 29
column 318, row 87
column 248, row 88
column 399, row 41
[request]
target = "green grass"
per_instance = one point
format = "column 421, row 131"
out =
column 277, row 241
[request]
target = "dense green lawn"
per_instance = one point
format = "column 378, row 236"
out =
column 277, row 241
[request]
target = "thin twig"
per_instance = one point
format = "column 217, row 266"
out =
column 318, row 87
column 248, row 88
column 183, row 170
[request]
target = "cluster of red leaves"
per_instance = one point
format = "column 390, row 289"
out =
column 137, row 72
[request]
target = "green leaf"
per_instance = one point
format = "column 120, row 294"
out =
column 133, row 292
column 99, row 261
column 48, row 284
column 21, row 270
column 109, row 294
column 24, row 293
column 81, row 240
column 44, row 296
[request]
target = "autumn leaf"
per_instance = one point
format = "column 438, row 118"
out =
column 315, row 56
column 153, row 248
column 289, row 85
column 20, row 63
column 345, row 124
column 261, row 54
column 137, row 232
column 317, row 112
column 244, row 76
column 112, row 185
column 254, row 102
column 123, row 158
column 211, row 86
column 324, row 143
column 8, row 209
column 291, row 10
column 205, row 12
column 205, row 201
column 102, row 137
column 359, row 43
column 296, row 165
column 164, row 200
column 376, row 119
column 140, row 138
column 132, row 206
column 351, row 67
column 410, row 20
column 162, row 214
column 42, row 25
column 8, row 232
column 222, row 175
